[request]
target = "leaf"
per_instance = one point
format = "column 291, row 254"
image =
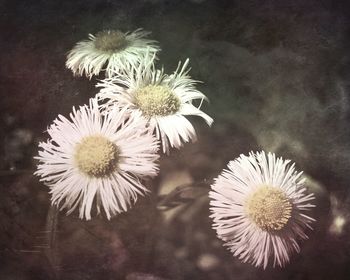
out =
column 182, row 194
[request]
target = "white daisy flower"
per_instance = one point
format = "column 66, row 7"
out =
column 95, row 159
column 111, row 49
column 163, row 99
column 259, row 208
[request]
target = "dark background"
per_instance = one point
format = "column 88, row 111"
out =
column 277, row 76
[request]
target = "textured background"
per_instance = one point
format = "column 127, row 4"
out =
column 277, row 76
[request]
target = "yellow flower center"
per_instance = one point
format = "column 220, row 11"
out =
column 96, row 156
column 110, row 41
column 156, row 100
column 269, row 208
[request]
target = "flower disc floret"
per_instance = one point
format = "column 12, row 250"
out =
column 269, row 208
column 156, row 100
column 110, row 40
column 96, row 156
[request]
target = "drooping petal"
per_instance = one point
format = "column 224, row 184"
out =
column 172, row 128
column 86, row 58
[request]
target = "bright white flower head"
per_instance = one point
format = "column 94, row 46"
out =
column 259, row 208
column 163, row 99
column 111, row 49
column 97, row 159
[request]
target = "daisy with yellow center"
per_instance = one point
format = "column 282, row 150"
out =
column 97, row 159
column 110, row 50
column 163, row 99
column 259, row 208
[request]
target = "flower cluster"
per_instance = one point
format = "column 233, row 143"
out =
column 98, row 159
